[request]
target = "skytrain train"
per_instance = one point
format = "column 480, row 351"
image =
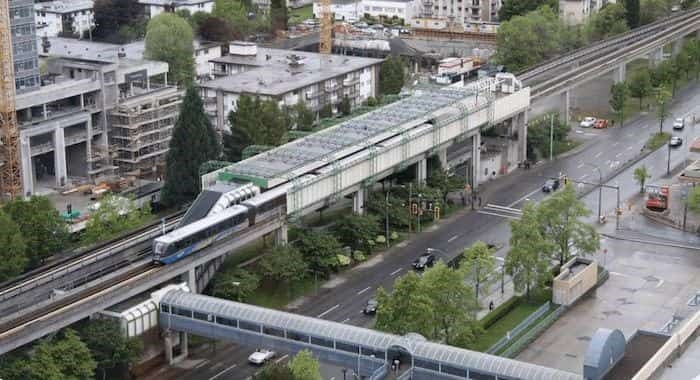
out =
column 200, row 234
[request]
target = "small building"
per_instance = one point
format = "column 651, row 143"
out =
column 64, row 18
column 287, row 76
column 155, row 7
column 577, row 277
column 403, row 10
column 344, row 10
column 442, row 14
column 578, row 11
column 204, row 52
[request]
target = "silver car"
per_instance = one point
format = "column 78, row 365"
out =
column 587, row 122
column 679, row 124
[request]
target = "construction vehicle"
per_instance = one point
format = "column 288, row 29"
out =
column 657, row 197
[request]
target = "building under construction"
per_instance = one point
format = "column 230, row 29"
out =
column 141, row 130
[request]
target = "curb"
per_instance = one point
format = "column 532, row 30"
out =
column 653, row 242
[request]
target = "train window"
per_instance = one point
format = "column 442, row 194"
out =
column 322, row 342
column 164, row 308
column 267, row 330
column 426, row 364
column 347, row 347
column 200, row 316
column 249, row 326
column 450, row 370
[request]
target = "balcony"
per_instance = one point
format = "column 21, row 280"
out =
column 311, row 95
column 347, row 82
column 330, row 87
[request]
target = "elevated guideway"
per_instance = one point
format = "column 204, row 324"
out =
column 368, row 352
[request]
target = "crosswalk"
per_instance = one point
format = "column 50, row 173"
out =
column 500, row 211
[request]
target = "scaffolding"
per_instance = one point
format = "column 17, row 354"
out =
column 10, row 165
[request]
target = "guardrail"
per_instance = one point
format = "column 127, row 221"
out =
column 512, row 334
column 532, row 334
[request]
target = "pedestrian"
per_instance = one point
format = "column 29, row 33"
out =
column 491, row 306
column 479, row 201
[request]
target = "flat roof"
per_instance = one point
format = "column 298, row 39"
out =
column 64, row 6
column 274, row 166
column 174, row 2
column 275, row 76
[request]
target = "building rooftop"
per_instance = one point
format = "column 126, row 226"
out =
column 64, row 6
column 275, row 76
column 173, row 2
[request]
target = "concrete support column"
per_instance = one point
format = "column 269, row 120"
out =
column 620, row 73
column 45, row 114
column 191, row 277
column 421, row 171
column 358, row 202
column 148, row 83
column 656, row 57
column 522, row 136
column 564, row 105
column 27, row 166
column 168, row 343
column 184, row 343
column 60, row 157
column 281, row 235
column 82, row 101
column 442, row 156
column 677, row 47
column 476, row 161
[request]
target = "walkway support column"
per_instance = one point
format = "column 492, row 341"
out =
column 521, row 126
column 442, row 156
column 476, row 161
column 27, row 166
column 281, row 235
column 677, row 46
column 620, row 73
column 60, row 156
column 358, row 202
column 656, row 57
column 564, row 104
column 421, row 171
column 192, row 280
column 168, row 343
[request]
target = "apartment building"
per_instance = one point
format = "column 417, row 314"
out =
column 24, row 45
column 65, row 18
column 287, row 76
column 577, row 11
column 155, row 7
column 455, row 14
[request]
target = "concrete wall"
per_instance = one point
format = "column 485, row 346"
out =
column 567, row 288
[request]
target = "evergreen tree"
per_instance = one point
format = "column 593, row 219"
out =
column 234, row 142
column 345, row 106
column 391, row 76
column 194, row 142
column 632, row 13
column 304, row 117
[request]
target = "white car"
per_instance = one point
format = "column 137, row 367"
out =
column 675, row 141
column 587, row 122
column 678, row 124
column 260, row 357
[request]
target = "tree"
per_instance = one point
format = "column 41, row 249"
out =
column 527, row 261
column 406, row 309
column 303, row 117
column 326, row 111
column 169, row 38
column 479, row 264
column 524, row 41
column 652, row 10
column 512, row 8
column 274, row 371
column 43, row 230
column 109, row 346
column 193, row 143
column 233, row 144
column 114, row 216
column 446, row 182
column 263, row 121
column 13, row 257
column 684, row 64
column 278, row 15
column 283, row 263
column 357, row 231
column 618, row 99
column 559, row 223
column 320, row 251
column 214, row 28
column 640, row 86
column 236, row 13
column 345, row 107
column 608, row 22
column 391, row 75
column 694, row 199
column 632, row 13
column 641, row 174
column 236, row 285
column 273, row 121
column 663, row 98
column 372, row 101
column 305, row 367
column 689, row 4
column 113, row 15
column 693, row 50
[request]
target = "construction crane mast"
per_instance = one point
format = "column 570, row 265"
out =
column 10, row 169
column 326, row 37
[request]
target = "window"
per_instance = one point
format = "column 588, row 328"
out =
column 226, row 321
column 297, row 336
column 164, row 308
column 267, row 330
column 347, row 347
column 322, row 342
column 426, row 364
column 201, row 316
column 249, row 326
column 450, row 370
column 182, row 312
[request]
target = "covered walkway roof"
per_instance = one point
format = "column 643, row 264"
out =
column 338, row 336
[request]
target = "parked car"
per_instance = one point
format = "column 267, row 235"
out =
column 426, row 260
column 601, row 124
column 550, row 185
column 587, row 122
column 675, row 141
column 679, row 123
column 370, row 307
column 261, row 356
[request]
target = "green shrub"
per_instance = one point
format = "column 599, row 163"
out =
column 500, row 312
column 372, row 101
column 394, row 236
column 343, row 260
column 381, row 239
column 359, row 256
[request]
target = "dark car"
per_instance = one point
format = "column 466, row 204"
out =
column 550, row 185
column 424, row 261
column 371, row 307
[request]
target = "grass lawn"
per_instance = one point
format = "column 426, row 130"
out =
column 657, row 140
column 297, row 15
column 508, row 322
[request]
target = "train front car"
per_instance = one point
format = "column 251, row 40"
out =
column 198, row 235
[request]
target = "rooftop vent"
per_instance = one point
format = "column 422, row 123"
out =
column 243, row 48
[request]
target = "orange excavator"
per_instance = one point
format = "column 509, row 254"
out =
column 657, row 197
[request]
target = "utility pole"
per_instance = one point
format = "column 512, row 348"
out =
column 618, row 211
column 551, row 136
column 600, row 190
column 668, row 162
column 386, row 215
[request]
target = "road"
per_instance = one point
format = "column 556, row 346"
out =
column 343, row 298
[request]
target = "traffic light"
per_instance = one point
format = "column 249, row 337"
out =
column 566, row 180
column 414, row 208
column 436, row 213
column 619, row 211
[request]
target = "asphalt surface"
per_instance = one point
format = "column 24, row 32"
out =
column 343, row 298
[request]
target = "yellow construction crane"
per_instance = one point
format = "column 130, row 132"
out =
column 10, row 170
column 326, row 37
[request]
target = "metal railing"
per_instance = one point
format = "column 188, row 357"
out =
column 515, row 332
column 527, row 338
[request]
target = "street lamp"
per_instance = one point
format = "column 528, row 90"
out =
column 600, row 189
column 237, row 284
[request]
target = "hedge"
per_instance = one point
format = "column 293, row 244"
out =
column 500, row 311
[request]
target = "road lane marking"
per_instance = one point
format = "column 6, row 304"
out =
column 630, row 147
column 395, row 272
column 224, row 371
column 524, row 197
column 328, row 311
column 450, row 240
column 345, row 320
column 622, row 274
column 583, row 177
column 364, row 290
column 500, row 215
column 282, row 358
column 615, row 144
column 661, row 282
column 580, row 166
column 598, row 154
column 630, row 135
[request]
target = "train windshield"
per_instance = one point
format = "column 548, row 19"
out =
column 158, row 248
